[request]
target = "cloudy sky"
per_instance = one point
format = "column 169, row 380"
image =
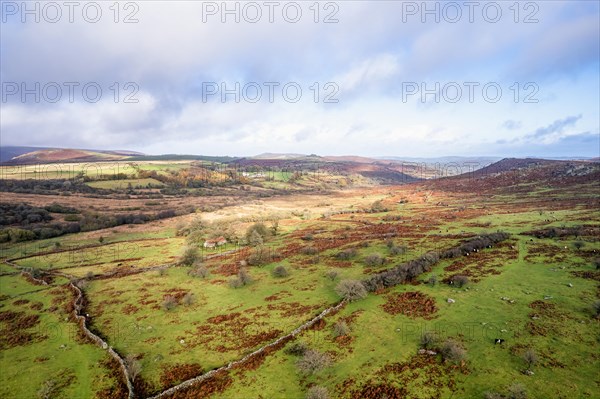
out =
column 386, row 78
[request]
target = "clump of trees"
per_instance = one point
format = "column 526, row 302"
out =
column 351, row 290
column 409, row 270
column 261, row 256
column 189, row 256
column 257, row 234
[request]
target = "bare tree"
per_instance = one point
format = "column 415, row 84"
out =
column 134, row 367
column 313, row 361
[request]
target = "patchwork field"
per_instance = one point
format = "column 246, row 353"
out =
column 464, row 287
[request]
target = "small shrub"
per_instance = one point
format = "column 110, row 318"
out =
column 169, row 303
column 340, row 328
column 432, row 280
column 374, row 260
column 378, row 206
column 89, row 275
column 244, row 277
column 296, row 349
column 280, row 272
column 312, row 362
column 235, row 282
column 578, row 245
column 398, row 250
column 199, row 271
column 47, row 390
column 332, row 275
column 460, row 281
column 162, row 272
column 596, row 309
column 530, row 358
column 317, row 392
column 453, row 352
column 429, row 340
column 346, row 254
column 308, row 237
column 351, row 290
column 310, row 250
column 390, row 244
column 517, row 391
column 188, row 299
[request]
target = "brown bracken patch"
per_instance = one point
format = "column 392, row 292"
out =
column 173, row 375
column 411, row 304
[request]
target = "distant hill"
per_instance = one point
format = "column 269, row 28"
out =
column 9, row 152
column 271, row 155
column 517, row 175
column 31, row 155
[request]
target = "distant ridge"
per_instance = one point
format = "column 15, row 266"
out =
column 32, row 155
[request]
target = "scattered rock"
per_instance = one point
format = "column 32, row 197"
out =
column 450, row 300
column 182, row 342
column 528, row 372
column 570, row 285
